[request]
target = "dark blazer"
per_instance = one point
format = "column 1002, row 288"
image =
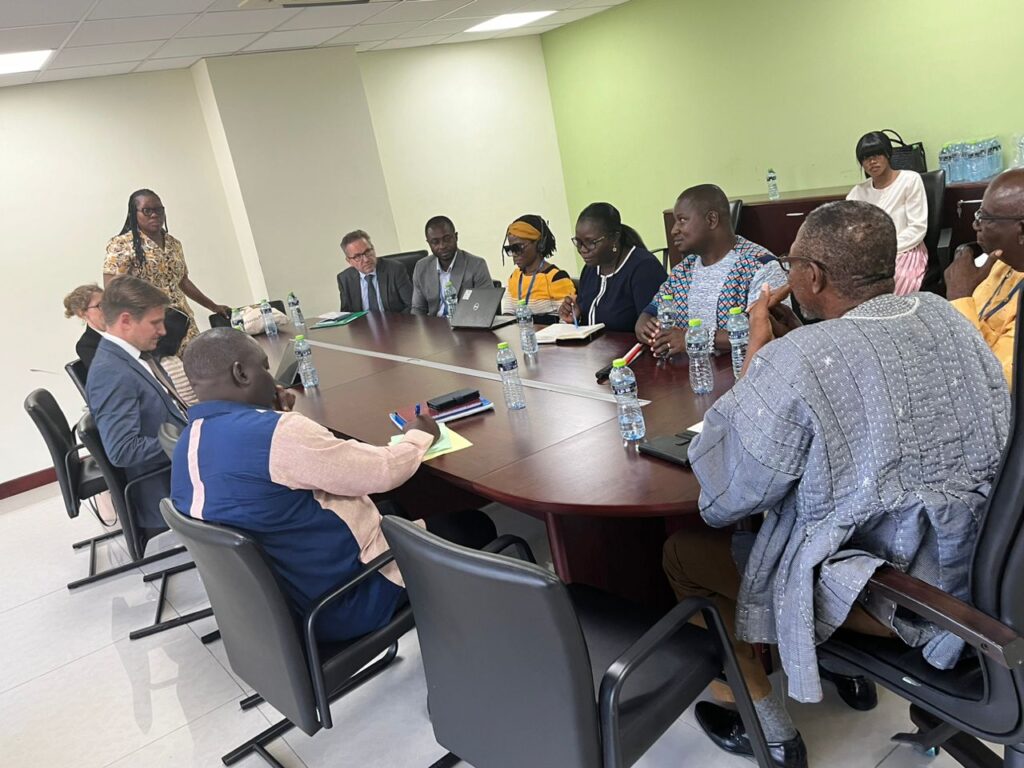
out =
column 393, row 284
column 86, row 346
column 468, row 271
column 129, row 406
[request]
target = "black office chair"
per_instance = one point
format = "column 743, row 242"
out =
column 524, row 671
column 76, row 370
column 735, row 209
column 122, row 494
column 407, row 259
column 219, row 321
column 279, row 657
column 983, row 696
column 936, row 239
column 78, row 476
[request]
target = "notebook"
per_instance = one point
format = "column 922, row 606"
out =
column 565, row 332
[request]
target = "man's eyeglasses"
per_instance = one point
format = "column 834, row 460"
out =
column 360, row 256
column 980, row 217
column 151, row 212
column 513, row 249
column 587, row 245
column 785, row 262
column 93, row 306
column 444, row 240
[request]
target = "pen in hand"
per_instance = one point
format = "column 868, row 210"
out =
column 575, row 314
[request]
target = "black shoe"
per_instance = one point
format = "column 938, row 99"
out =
column 725, row 728
column 858, row 692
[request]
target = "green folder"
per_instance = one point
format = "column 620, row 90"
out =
column 339, row 321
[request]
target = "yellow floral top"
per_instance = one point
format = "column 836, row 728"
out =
column 164, row 267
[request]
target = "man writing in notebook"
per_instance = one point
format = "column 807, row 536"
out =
column 301, row 492
column 987, row 295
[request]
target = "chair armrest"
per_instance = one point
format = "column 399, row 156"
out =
column 619, row 671
column 316, row 671
column 979, row 630
column 942, row 248
column 523, row 551
column 131, row 485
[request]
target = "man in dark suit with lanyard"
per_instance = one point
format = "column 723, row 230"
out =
column 130, row 395
column 371, row 284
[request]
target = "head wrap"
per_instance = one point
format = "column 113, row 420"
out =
column 524, row 230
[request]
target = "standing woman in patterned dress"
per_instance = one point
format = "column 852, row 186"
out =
column 146, row 250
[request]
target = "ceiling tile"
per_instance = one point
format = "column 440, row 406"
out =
column 443, row 27
column 550, row 5
column 155, row 64
column 409, row 42
column 27, row 13
column 295, row 38
column 123, row 9
column 74, row 73
column 34, row 38
column 485, row 9
column 425, row 10
column 469, row 37
column 237, row 22
column 104, row 54
column 129, row 30
column 367, row 32
column 574, row 14
column 19, row 79
column 349, row 16
column 529, row 29
column 598, row 3
column 204, row 46
column 367, row 46
column 232, row 5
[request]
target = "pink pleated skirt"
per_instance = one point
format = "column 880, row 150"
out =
column 910, row 269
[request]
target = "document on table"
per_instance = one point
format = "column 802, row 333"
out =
column 450, row 441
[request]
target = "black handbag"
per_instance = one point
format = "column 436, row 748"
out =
column 906, row 157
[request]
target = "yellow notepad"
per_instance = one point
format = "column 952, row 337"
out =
column 449, row 442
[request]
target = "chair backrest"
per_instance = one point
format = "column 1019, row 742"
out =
column 934, row 192
column 168, row 435
column 116, row 482
column 998, row 567
column 258, row 628
column 76, row 370
column 407, row 259
column 735, row 209
column 508, row 674
column 49, row 419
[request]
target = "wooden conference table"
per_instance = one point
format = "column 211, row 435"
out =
column 607, row 508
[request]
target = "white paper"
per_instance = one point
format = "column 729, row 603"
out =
column 697, row 427
column 333, row 315
column 980, row 261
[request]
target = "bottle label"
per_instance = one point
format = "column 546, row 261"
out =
column 509, row 365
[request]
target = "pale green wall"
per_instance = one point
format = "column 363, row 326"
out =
column 655, row 95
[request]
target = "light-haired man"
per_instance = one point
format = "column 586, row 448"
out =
column 369, row 283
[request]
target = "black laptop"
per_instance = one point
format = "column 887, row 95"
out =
column 287, row 371
column 478, row 308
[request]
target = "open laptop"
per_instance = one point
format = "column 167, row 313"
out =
column 478, row 308
column 287, row 371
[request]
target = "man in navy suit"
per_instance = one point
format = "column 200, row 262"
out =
column 376, row 285
column 130, row 396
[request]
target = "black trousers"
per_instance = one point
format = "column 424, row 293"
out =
column 467, row 528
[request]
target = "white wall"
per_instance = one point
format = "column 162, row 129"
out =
column 70, row 153
column 467, row 130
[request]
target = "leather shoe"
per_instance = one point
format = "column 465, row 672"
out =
column 725, row 728
column 858, row 692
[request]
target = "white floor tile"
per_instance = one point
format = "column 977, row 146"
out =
column 112, row 702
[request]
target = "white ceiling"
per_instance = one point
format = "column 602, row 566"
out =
column 111, row 37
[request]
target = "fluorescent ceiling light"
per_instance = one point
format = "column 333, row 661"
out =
column 23, row 61
column 509, row 21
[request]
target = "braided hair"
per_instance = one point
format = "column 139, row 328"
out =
column 131, row 224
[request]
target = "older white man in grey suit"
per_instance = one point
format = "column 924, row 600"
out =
column 130, row 395
column 446, row 263
column 376, row 285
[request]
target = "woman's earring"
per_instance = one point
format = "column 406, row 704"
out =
column 615, row 249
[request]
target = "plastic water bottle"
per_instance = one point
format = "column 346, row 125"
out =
column 510, row 383
column 667, row 316
column 738, row 327
column 997, row 157
column 295, row 313
column 773, row 185
column 451, row 299
column 1019, row 160
column 269, row 326
column 945, row 161
column 236, row 319
column 307, row 371
column 527, row 335
column 631, row 418
column 698, row 349
column 957, row 163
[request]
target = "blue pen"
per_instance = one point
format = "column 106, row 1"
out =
column 575, row 316
column 417, row 409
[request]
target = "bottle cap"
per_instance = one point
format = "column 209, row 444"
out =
column 522, row 302
column 502, row 345
column 619, row 363
column 736, row 311
column 695, row 323
column 666, row 297
column 300, row 337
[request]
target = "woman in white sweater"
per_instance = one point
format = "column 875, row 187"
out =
column 901, row 195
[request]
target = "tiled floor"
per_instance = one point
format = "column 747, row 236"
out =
column 75, row 691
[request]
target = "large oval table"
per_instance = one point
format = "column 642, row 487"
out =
column 607, row 508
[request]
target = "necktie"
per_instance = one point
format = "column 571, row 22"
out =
column 163, row 378
column 371, row 294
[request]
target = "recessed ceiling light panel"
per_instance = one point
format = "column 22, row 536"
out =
column 23, row 61
column 509, row 21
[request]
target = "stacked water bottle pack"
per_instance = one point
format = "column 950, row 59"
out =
column 971, row 161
